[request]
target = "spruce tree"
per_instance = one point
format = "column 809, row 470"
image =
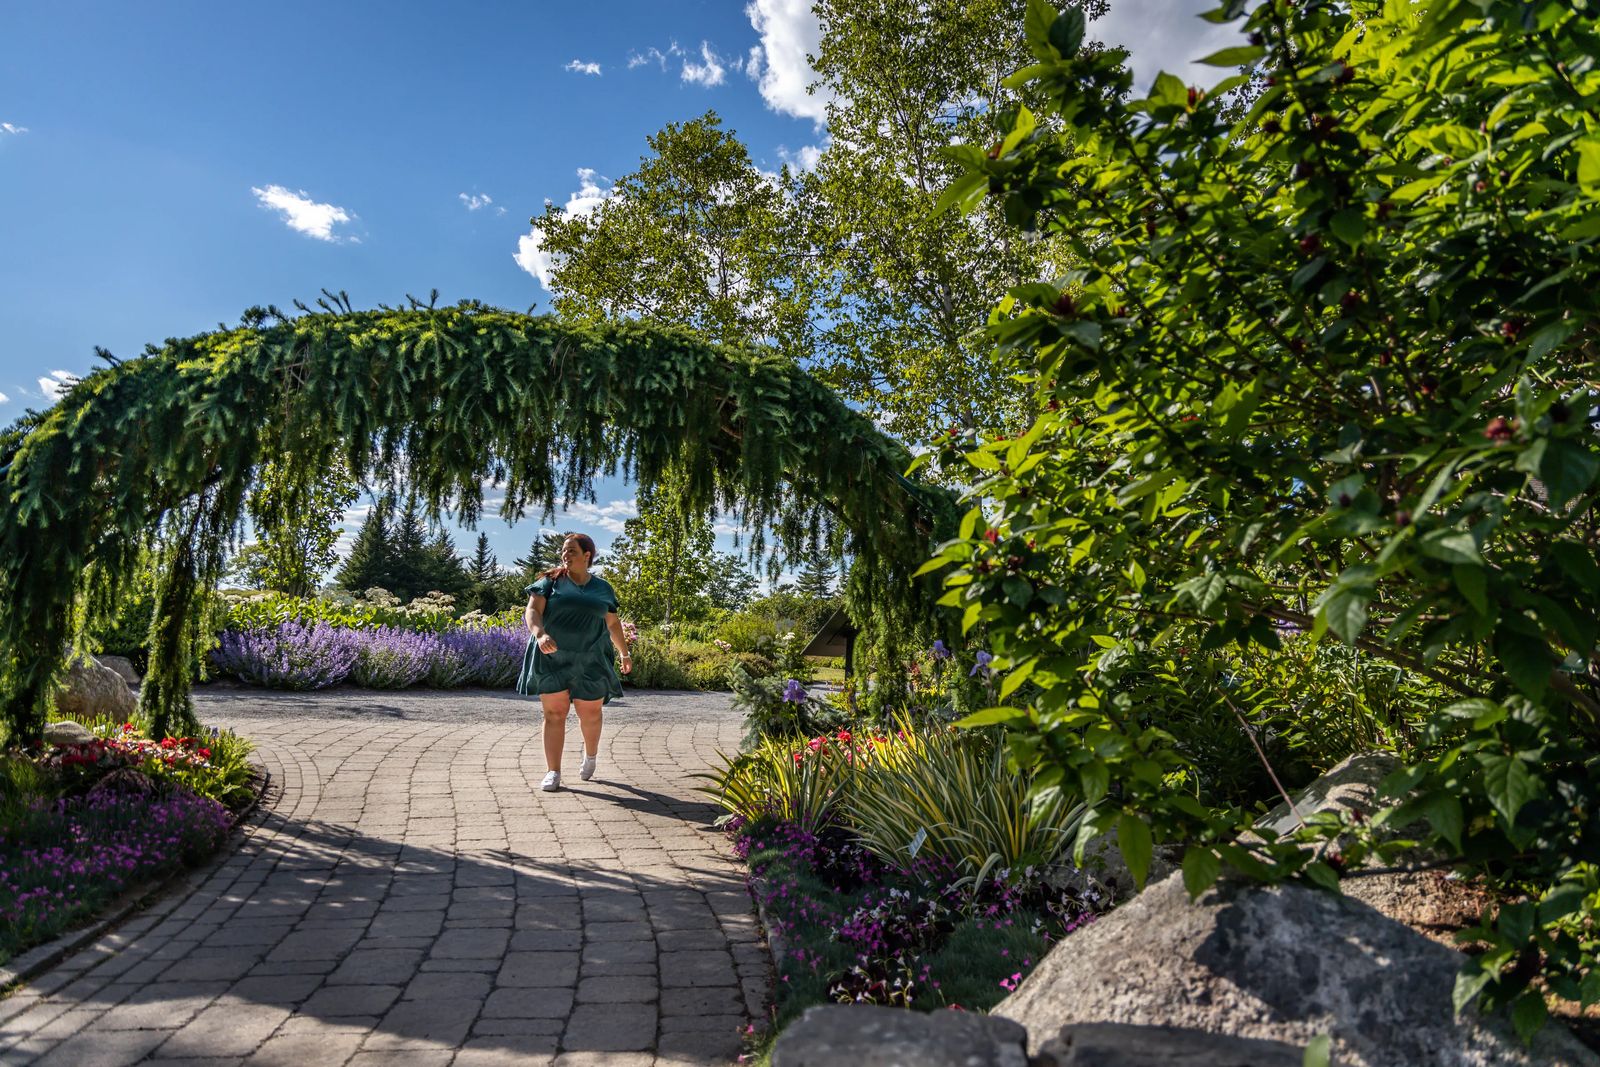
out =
column 818, row 579
column 371, row 556
column 544, row 553
column 484, row 566
column 483, row 570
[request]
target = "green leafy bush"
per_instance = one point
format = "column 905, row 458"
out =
column 745, row 632
column 778, row 779
column 952, row 797
column 1327, row 358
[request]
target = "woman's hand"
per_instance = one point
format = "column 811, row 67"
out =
column 627, row 663
column 547, row 644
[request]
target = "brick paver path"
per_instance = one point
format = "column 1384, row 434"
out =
column 408, row 896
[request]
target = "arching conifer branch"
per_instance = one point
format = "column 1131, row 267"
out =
column 450, row 399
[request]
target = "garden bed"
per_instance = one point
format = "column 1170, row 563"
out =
column 91, row 828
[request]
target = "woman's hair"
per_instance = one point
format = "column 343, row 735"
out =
column 585, row 544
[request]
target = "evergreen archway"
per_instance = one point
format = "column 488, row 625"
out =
column 449, row 399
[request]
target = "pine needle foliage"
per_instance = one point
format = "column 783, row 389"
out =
column 446, row 400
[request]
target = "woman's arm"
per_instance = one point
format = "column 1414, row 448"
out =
column 620, row 640
column 533, row 615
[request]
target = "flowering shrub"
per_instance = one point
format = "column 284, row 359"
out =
column 390, row 658
column 374, row 608
column 213, row 766
column 61, row 861
column 851, row 928
column 778, row 706
column 288, row 656
column 292, row 656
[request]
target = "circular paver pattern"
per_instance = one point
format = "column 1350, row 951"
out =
column 407, row 896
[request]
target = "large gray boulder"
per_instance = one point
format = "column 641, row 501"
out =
column 864, row 1035
column 1124, row 1045
column 1432, row 902
column 67, row 733
column 1283, row 963
column 123, row 666
column 1349, row 786
column 90, row 689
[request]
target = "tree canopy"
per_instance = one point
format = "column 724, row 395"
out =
column 1329, row 368
column 447, row 400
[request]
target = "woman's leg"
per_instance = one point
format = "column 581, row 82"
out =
column 589, row 723
column 555, row 726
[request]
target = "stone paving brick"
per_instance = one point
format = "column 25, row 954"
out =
column 471, row 944
column 618, row 989
column 610, row 1028
column 538, row 969
column 408, row 897
column 377, row 966
column 433, row 1022
column 509, row 1050
column 336, row 1000
column 231, row 1028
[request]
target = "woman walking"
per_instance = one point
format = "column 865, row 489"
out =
column 572, row 629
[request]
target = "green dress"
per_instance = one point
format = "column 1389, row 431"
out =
column 575, row 618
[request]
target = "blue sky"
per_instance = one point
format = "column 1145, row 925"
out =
column 165, row 165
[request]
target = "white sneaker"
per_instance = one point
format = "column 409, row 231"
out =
column 586, row 772
column 552, row 781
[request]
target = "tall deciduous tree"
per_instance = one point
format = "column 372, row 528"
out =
column 732, row 583
column 848, row 267
column 662, row 563
column 696, row 236
column 296, row 514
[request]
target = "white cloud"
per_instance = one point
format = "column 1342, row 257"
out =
column 1166, row 35
column 654, row 55
column 302, row 213
column 530, row 254
column 803, row 158
column 708, row 73
column 12, row 128
column 58, row 382
column 578, row 66
column 4, row 399
column 790, row 34
column 608, row 517
column 474, row 201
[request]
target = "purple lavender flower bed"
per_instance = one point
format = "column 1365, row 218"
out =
column 295, row 656
column 850, row 929
column 62, row 861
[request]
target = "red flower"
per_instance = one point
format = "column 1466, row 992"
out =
column 205, row 753
column 842, row 735
column 992, row 536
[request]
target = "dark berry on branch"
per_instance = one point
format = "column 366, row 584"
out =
column 1350, row 301
column 1402, row 518
column 1256, row 39
column 1344, row 500
column 1064, row 305
column 1310, row 244
column 1511, row 329
column 1559, row 413
column 1500, row 429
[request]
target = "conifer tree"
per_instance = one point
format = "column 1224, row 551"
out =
column 371, row 556
column 484, row 566
column 818, row 579
column 544, row 553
